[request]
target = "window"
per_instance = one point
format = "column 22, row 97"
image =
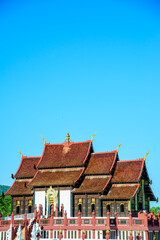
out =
column 17, row 207
column 80, row 207
column 140, row 206
column 92, row 207
column 121, row 207
column 29, row 206
column 108, row 207
column 29, row 209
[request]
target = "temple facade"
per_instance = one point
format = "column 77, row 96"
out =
column 73, row 177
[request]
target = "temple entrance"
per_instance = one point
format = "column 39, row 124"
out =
column 51, row 200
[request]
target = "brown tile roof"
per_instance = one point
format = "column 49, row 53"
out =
column 101, row 163
column 26, row 167
column 92, row 184
column 56, row 178
column 64, row 155
column 18, row 188
column 121, row 191
column 128, row 171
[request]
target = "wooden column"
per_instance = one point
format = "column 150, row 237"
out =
column 143, row 194
column 24, row 205
column 71, row 204
column 99, row 207
column 136, row 203
column 86, row 205
column 11, row 204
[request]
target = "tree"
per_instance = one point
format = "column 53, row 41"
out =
column 155, row 210
column 5, row 205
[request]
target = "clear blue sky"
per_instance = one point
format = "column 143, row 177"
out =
column 82, row 66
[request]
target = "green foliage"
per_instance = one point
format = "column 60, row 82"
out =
column 3, row 188
column 5, row 205
column 155, row 210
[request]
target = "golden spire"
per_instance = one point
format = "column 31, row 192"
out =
column 44, row 140
column 93, row 137
column 20, row 154
column 67, row 137
column 119, row 147
column 146, row 155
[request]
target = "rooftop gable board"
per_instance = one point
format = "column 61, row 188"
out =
column 26, row 168
column 64, row 155
column 128, row 171
column 101, row 163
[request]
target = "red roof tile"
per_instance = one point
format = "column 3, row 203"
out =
column 18, row 188
column 26, row 167
column 58, row 178
column 128, row 171
column 101, row 163
column 64, row 155
column 121, row 191
column 93, row 184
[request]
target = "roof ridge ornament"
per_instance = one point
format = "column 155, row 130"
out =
column 20, row 154
column 119, row 147
column 146, row 155
column 93, row 137
column 67, row 137
column 44, row 140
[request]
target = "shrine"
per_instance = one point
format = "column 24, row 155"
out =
column 72, row 175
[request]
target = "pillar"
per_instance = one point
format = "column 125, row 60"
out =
column 11, row 206
column 58, row 199
column 86, row 205
column 99, row 207
column 34, row 199
column 71, row 205
column 143, row 194
column 136, row 203
column 24, row 205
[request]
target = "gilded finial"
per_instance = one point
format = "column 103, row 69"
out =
column 67, row 137
column 83, row 231
column 20, row 154
column 93, row 137
column 44, row 140
column 146, row 155
column 119, row 147
column 107, row 231
column 60, row 230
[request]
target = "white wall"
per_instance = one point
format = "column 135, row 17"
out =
column 65, row 199
column 40, row 199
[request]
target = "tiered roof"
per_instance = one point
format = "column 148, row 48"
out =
column 26, row 168
column 24, row 174
column 19, row 187
column 101, row 163
column 128, row 171
column 60, row 177
column 64, row 155
column 98, row 173
column 93, row 184
column 121, row 191
column 75, row 164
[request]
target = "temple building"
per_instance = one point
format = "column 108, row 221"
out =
column 73, row 175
